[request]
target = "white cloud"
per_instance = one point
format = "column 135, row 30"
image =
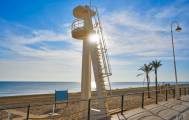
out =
column 131, row 34
column 17, row 43
column 29, row 63
column 177, row 8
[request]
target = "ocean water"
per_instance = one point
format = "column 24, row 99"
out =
column 28, row 88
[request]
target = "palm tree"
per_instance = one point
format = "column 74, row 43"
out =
column 155, row 65
column 147, row 68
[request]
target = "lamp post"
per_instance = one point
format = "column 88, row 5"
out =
column 178, row 29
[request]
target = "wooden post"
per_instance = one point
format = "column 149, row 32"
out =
column 55, row 100
column 174, row 93
column 184, row 91
column 156, row 96
column 143, row 100
column 122, row 103
column 1, row 116
column 180, row 91
column 28, row 112
column 166, row 94
column 89, row 109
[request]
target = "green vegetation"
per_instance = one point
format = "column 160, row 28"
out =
column 146, row 69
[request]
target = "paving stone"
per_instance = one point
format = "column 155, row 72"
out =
column 167, row 110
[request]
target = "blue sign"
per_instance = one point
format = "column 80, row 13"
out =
column 61, row 95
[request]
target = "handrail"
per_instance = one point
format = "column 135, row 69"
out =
column 103, row 40
column 77, row 23
column 106, row 72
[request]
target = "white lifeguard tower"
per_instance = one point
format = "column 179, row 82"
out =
column 87, row 27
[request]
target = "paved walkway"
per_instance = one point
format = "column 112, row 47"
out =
column 170, row 110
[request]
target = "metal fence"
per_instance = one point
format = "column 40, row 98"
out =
column 71, row 110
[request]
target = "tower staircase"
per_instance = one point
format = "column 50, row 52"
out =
column 103, row 66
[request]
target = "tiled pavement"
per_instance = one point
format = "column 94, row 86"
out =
column 169, row 110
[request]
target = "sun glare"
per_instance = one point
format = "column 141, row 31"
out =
column 93, row 38
column 93, row 85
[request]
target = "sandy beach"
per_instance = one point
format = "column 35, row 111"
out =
column 42, row 105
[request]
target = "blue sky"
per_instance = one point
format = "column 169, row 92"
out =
column 36, row 43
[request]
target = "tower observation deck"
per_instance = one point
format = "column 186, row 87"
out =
column 82, row 26
column 87, row 27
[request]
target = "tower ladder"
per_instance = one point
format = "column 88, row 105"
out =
column 102, row 54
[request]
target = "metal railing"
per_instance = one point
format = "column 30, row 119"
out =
column 102, row 50
column 77, row 24
column 70, row 110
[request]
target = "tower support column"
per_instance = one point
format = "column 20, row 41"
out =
column 86, row 78
column 100, row 87
column 86, row 71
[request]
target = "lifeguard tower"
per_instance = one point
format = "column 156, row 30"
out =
column 87, row 27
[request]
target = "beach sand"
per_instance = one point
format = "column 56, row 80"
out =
column 42, row 105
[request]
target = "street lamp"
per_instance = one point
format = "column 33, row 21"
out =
column 178, row 29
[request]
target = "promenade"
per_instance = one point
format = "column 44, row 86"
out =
column 168, row 110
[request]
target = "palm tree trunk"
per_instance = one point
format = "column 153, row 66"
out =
column 148, row 84
column 156, row 86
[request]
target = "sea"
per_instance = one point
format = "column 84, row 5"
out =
column 29, row 88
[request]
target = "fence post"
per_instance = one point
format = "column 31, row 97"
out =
column 143, row 100
column 174, row 93
column 184, row 91
column 166, row 94
column 28, row 112
column 180, row 91
column 156, row 96
column 188, row 90
column 89, row 109
column 1, row 116
column 122, row 103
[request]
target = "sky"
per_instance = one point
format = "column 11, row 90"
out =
column 36, row 42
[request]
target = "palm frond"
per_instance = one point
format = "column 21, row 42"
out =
column 156, row 64
column 139, row 74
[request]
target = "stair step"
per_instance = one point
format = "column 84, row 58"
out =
column 102, row 62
